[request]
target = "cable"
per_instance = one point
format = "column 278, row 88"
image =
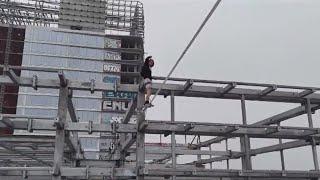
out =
column 187, row 48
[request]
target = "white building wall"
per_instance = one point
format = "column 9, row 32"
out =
column 64, row 49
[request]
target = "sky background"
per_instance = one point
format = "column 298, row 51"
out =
column 266, row 41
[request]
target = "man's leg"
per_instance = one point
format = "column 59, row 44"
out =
column 149, row 90
column 148, row 87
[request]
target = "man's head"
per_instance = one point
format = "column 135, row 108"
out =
column 149, row 61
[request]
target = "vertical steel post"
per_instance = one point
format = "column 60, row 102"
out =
column 199, row 141
column 283, row 167
column 245, row 141
column 122, row 139
column 60, row 133
column 140, row 154
column 173, row 138
column 227, row 149
column 313, row 146
column 210, row 149
column 6, row 64
column 136, row 69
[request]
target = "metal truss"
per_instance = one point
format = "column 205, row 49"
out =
column 60, row 155
column 117, row 15
column 50, row 148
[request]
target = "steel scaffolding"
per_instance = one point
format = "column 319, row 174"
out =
column 118, row 15
column 60, row 155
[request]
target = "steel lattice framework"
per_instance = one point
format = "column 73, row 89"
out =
column 120, row 15
column 61, row 156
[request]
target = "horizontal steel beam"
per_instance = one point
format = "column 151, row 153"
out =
column 12, row 150
column 250, row 94
column 254, row 152
column 27, row 116
column 97, row 163
column 75, row 85
column 76, row 172
column 164, row 172
column 27, row 139
column 271, row 120
column 39, row 124
column 229, row 173
column 286, row 115
column 17, row 176
column 234, row 130
column 237, row 83
column 227, row 178
column 195, row 91
column 165, row 127
column 190, row 152
column 278, row 147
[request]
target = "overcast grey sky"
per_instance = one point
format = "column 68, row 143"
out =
column 273, row 41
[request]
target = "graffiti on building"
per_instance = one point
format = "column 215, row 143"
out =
column 108, row 118
column 118, row 95
column 111, row 79
column 109, row 55
column 111, row 68
column 112, row 43
column 115, row 105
